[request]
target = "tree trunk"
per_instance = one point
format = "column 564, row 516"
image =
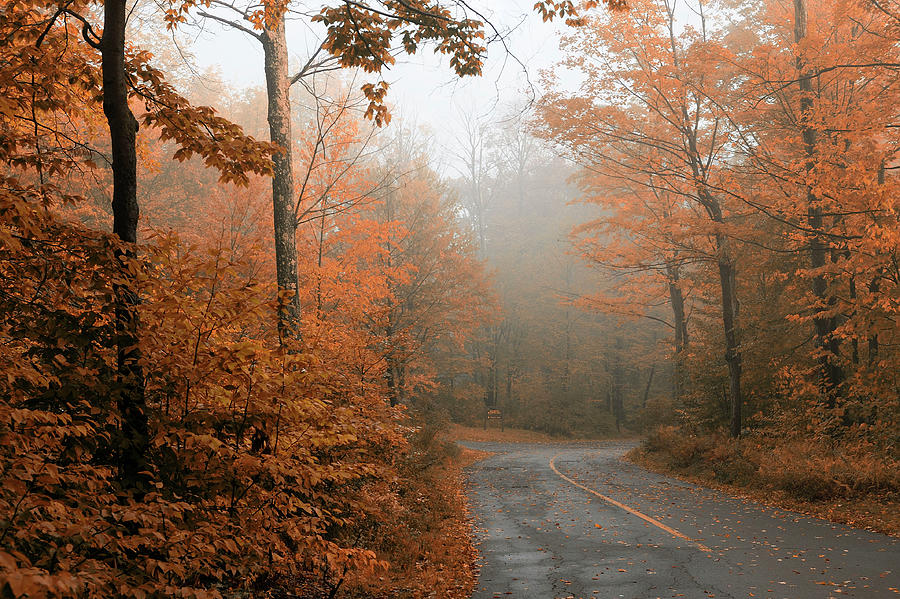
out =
column 390, row 377
column 279, row 116
column 649, row 385
column 831, row 373
column 492, row 384
column 729, row 321
column 676, row 298
column 390, row 372
column 874, row 287
column 618, row 408
column 123, row 131
column 567, row 368
column 727, row 282
column 854, row 342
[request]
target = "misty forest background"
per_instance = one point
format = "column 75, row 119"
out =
column 227, row 365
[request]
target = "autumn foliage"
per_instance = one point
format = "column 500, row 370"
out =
column 238, row 391
column 270, row 467
column 744, row 174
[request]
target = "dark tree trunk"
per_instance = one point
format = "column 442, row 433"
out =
column 729, row 321
column 728, row 285
column 278, row 84
column 491, row 391
column 874, row 287
column 618, row 407
column 123, row 131
column 390, row 377
column 395, row 376
column 391, row 371
column 854, row 343
column 676, row 298
column 649, row 385
column 567, row 368
column 831, row 373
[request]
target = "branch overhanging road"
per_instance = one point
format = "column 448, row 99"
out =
column 560, row 521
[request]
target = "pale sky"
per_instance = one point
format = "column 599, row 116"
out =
column 423, row 88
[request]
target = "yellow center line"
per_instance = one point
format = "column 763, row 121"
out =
column 628, row 509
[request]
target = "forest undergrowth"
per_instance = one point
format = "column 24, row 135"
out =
column 266, row 472
column 839, row 480
column 224, row 361
column 430, row 543
column 168, row 426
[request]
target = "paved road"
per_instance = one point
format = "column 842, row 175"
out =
column 615, row 530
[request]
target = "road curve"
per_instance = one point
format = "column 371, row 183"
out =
column 573, row 520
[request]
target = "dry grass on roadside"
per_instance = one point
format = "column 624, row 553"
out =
column 458, row 432
column 840, row 485
column 467, row 456
column 425, row 534
column 447, row 564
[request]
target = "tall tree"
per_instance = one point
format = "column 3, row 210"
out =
column 445, row 296
column 645, row 117
column 125, row 74
column 816, row 129
column 825, row 321
column 358, row 35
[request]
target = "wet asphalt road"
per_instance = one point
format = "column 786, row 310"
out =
column 543, row 537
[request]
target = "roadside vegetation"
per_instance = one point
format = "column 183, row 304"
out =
column 496, row 434
column 742, row 163
column 203, row 393
column 234, row 322
column 843, row 482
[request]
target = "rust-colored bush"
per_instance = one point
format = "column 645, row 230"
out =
column 809, row 469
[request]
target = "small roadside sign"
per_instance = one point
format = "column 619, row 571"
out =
column 494, row 414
